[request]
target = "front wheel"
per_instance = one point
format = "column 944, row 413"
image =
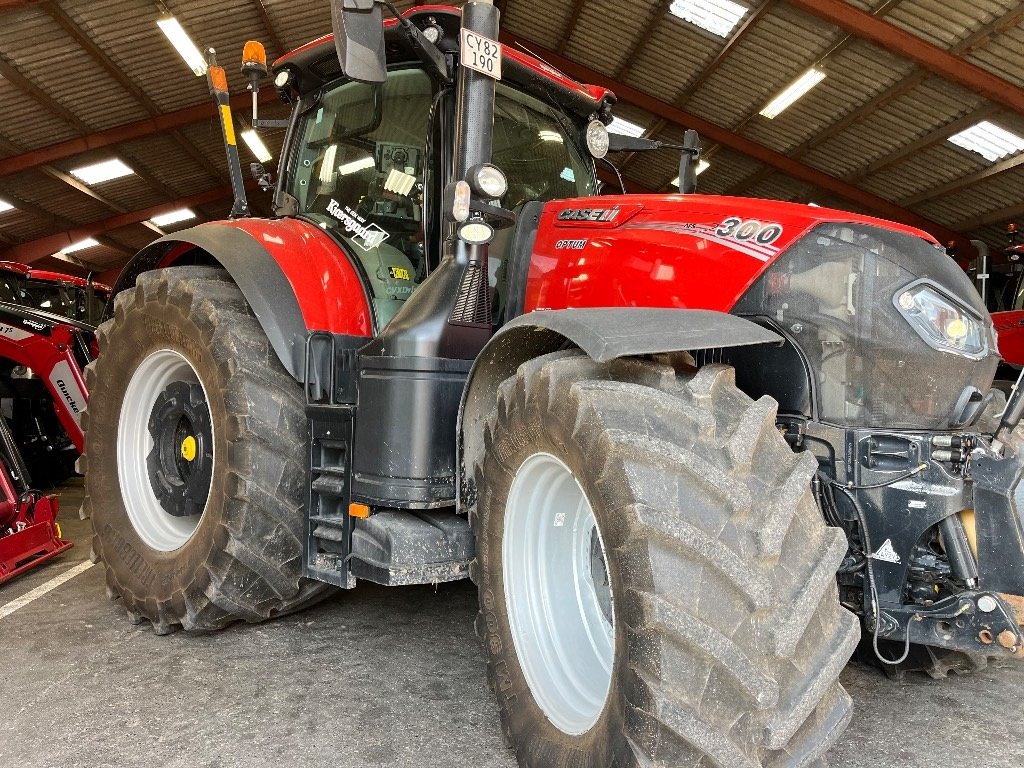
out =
column 195, row 450
column 657, row 586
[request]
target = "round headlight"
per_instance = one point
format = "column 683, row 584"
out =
column 597, row 139
column 476, row 232
column 488, row 181
column 283, row 78
column 433, row 33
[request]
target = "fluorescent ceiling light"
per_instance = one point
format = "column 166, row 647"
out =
column 5, row 206
column 625, row 128
column 97, row 173
column 173, row 217
column 989, row 140
column 356, row 165
column 702, row 165
column 719, row 17
column 81, row 245
column 256, row 146
column 183, row 44
column 793, row 93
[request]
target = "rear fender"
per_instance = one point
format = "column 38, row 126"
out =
column 604, row 335
column 295, row 278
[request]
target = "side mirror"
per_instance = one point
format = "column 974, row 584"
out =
column 262, row 176
column 359, row 38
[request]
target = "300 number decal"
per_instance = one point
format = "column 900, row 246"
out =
column 751, row 229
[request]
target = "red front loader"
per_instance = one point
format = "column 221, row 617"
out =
column 687, row 447
column 43, row 396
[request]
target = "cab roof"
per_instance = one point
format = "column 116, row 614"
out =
column 44, row 275
column 316, row 62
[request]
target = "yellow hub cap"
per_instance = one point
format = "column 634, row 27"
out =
column 188, row 448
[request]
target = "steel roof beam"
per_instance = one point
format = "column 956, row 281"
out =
column 879, row 205
column 268, row 25
column 34, row 250
column 139, row 129
column 574, row 16
column 908, row 46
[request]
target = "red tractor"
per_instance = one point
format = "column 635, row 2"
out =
column 688, row 447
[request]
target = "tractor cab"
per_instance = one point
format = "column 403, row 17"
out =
column 369, row 162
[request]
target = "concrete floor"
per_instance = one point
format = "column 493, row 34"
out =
column 372, row 677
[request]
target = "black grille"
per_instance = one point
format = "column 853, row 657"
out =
column 473, row 305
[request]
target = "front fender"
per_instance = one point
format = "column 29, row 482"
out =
column 295, row 278
column 604, row 334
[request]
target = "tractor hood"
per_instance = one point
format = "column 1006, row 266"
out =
column 695, row 251
column 864, row 300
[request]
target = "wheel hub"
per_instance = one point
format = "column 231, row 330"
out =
column 165, row 450
column 559, row 594
column 180, row 463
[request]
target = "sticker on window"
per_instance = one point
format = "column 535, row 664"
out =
column 366, row 235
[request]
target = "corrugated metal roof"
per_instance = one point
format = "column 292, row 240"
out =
column 636, row 41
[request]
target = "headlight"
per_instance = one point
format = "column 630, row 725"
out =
column 487, row 181
column 941, row 321
column 597, row 139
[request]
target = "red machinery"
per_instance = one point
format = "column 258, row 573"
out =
column 41, row 354
column 55, row 292
column 29, row 533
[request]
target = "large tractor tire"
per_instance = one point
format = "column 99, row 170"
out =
column 657, row 585
column 195, row 458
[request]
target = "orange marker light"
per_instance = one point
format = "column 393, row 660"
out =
column 1011, row 228
column 219, row 79
column 358, row 510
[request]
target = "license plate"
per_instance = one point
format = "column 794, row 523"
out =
column 481, row 54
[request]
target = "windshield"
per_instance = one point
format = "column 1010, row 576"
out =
column 359, row 171
column 534, row 147
column 51, row 297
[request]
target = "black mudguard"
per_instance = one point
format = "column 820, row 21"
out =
column 604, row 334
column 255, row 272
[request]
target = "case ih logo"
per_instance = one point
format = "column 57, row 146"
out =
column 589, row 214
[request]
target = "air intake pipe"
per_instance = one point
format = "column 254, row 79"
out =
column 450, row 315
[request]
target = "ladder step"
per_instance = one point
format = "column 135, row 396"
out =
column 329, row 533
column 330, row 486
column 333, row 520
column 337, row 471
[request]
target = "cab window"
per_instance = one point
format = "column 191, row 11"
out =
column 359, row 171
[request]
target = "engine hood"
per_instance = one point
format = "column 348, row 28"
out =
column 684, row 251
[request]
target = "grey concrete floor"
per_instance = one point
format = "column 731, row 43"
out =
column 372, row 677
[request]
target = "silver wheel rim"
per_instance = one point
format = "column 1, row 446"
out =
column 157, row 528
column 557, row 590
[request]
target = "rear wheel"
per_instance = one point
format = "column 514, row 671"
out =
column 656, row 583
column 195, row 448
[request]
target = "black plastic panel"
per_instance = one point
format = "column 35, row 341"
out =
column 405, row 431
